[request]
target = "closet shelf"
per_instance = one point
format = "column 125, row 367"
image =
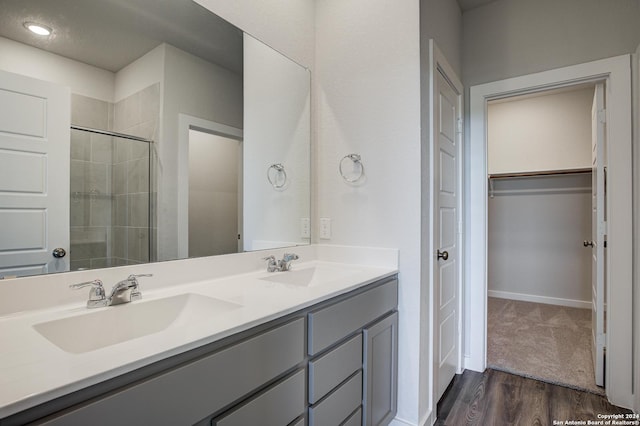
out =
column 540, row 173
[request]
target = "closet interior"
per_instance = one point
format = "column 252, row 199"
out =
column 540, row 162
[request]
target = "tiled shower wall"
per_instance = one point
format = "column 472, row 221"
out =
column 137, row 115
column 91, row 159
column 110, row 181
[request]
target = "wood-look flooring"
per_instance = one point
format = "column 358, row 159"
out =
column 496, row 398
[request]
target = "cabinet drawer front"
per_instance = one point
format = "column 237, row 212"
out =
column 331, row 369
column 278, row 406
column 355, row 419
column 330, row 324
column 339, row 405
column 189, row 393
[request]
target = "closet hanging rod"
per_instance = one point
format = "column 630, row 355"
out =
column 112, row 134
column 540, row 173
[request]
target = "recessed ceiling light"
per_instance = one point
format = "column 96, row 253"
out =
column 38, row 29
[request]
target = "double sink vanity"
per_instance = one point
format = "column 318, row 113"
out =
column 209, row 341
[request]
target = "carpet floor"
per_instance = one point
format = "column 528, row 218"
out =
column 545, row 342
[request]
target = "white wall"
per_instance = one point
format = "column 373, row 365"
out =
column 441, row 20
column 508, row 38
column 285, row 25
column 140, row 74
column 547, row 132
column 83, row 79
column 277, row 131
column 198, row 88
column 367, row 96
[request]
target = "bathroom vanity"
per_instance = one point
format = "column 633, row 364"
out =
column 313, row 346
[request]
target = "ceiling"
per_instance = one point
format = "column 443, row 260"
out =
column 466, row 5
column 111, row 34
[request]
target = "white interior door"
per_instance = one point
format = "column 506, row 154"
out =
column 447, row 143
column 34, row 175
column 598, row 230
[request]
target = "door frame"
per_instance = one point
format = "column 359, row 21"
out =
column 635, row 84
column 439, row 64
column 616, row 72
column 185, row 123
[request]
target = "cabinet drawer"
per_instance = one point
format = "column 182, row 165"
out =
column 355, row 419
column 195, row 390
column 339, row 405
column 331, row 369
column 330, row 324
column 278, row 406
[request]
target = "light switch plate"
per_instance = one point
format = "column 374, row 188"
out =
column 305, row 227
column 325, row 228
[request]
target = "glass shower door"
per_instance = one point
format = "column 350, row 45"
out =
column 110, row 200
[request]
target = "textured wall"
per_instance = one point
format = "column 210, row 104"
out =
column 507, row 38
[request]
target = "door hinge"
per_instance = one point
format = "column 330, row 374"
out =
column 602, row 116
column 601, row 340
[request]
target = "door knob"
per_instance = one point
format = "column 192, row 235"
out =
column 587, row 243
column 444, row 255
column 59, row 252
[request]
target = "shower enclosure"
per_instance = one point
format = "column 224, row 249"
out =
column 110, row 198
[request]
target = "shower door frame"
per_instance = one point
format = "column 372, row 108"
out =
column 149, row 185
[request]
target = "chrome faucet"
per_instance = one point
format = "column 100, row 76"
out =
column 272, row 264
column 285, row 263
column 281, row 265
column 125, row 291
column 97, row 297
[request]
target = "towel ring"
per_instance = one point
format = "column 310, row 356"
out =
column 279, row 171
column 357, row 162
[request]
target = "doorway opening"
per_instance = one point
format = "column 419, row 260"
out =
column 210, row 188
column 615, row 72
column 215, row 194
column 540, row 298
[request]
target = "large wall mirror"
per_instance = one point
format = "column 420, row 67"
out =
column 143, row 130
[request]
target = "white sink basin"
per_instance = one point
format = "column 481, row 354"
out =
column 310, row 276
column 116, row 324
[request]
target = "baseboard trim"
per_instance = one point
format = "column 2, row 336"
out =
column 473, row 364
column 571, row 303
column 428, row 420
column 399, row 422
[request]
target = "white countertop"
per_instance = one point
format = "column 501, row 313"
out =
column 33, row 370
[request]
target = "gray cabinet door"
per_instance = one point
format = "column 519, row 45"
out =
column 380, row 366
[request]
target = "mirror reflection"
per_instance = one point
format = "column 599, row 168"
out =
column 138, row 131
